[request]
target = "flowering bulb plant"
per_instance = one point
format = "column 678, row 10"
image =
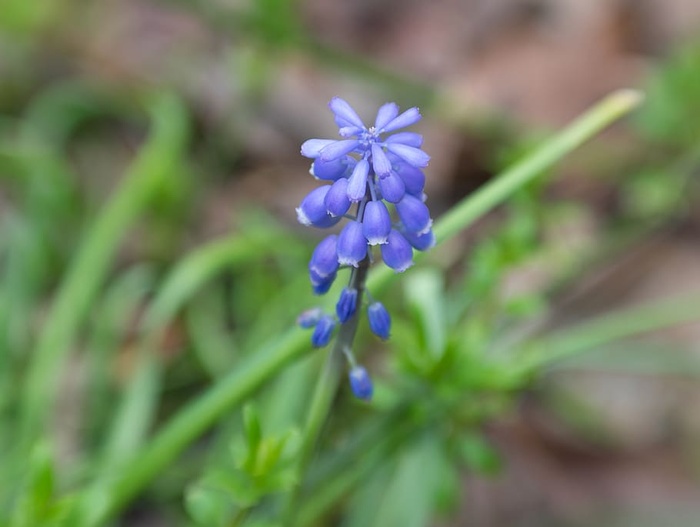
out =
column 445, row 382
column 371, row 172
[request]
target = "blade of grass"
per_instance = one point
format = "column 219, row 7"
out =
column 190, row 423
column 463, row 215
column 135, row 413
column 612, row 327
column 157, row 161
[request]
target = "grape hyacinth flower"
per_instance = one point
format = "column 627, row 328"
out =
column 361, row 383
column 376, row 170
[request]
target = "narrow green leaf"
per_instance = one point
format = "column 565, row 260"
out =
column 424, row 291
column 409, row 499
column 471, row 208
column 34, row 504
column 253, row 432
column 156, row 162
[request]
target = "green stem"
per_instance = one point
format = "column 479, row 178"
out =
column 327, row 385
column 156, row 162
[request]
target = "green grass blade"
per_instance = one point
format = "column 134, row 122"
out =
column 157, row 161
column 471, row 208
column 614, row 326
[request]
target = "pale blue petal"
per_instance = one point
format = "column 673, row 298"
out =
column 381, row 163
column 312, row 148
column 406, row 138
column 344, row 111
column 413, row 156
column 407, row 118
column 357, row 185
column 349, row 131
column 338, row 149
column 386, row 114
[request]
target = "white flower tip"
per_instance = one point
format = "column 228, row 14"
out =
column 302, row 218
column 427, row 228
column 348, row 261
column 404, row 267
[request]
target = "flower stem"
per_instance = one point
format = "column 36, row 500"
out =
column 328, row 382
column 327, row 387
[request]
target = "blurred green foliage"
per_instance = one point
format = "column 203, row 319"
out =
column 127, row 351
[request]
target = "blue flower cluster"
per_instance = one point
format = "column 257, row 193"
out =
column 371, row 172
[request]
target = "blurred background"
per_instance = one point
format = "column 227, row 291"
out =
column 607, row 438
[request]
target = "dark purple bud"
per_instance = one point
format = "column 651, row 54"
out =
column 309, row 318
column 357, row 184
column 352, row 244
column 324, row 260
column 414, row 214
column 345, row 308
column 413, row 156
column 323, row 332
column 387, row 113
column 407, row 118
column 380, row 162
column 379, row 320
column 392, row 188
column 361, row 383
column 397, row 252
column 421, row 242
column 312, row 210
column 337, row 202
column 344, row 113
column 376, row 224
column 413, row 178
